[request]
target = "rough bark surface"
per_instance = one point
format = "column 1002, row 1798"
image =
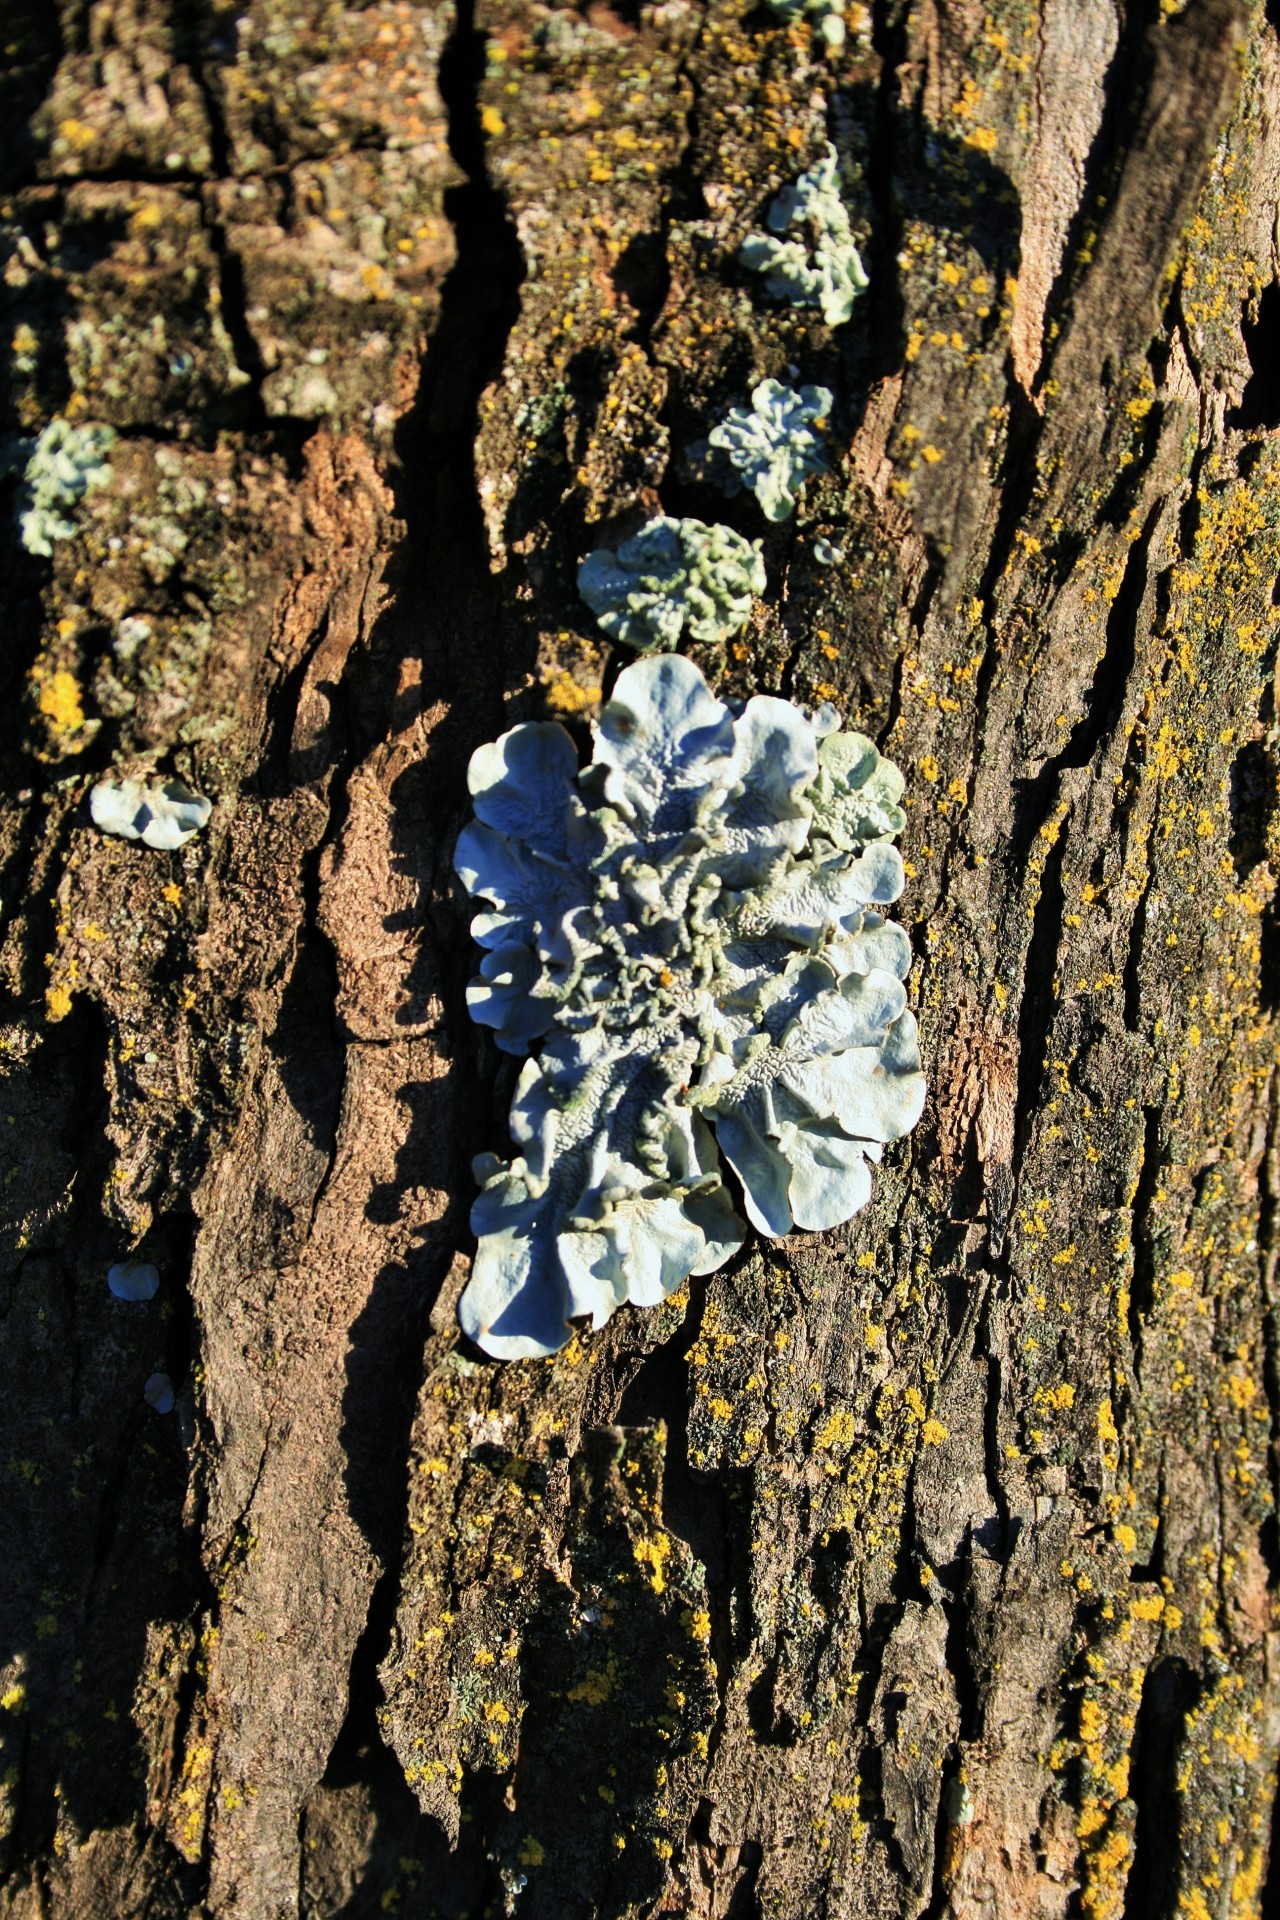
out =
column 923, row 1568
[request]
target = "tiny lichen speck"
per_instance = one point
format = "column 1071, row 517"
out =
column 693, row 928
column 809, row 253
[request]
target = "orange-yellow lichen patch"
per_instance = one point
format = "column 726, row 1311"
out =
column 59, row 702
column 653, row 1553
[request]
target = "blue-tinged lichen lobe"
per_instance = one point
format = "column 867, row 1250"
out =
column 163, row 814
column 695, row 930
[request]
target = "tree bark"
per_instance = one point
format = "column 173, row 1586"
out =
column 926, row 1567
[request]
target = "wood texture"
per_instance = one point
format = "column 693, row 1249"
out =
column 925, row 1568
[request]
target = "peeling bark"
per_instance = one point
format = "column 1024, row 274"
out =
column 924, row 1568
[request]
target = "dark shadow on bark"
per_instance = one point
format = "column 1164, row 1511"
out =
column 1104, row 700
column 1169, row 1693
column 1035, row 1015
column 1260, row 402
column 694, row 1504
column 382, row 1367
column 1253, row 795
column 367, row 1848
column 443, row 578
column 33, row 36
column 93, row 1566
column 1149, row 1241
column 1126, row 90
column 452, row 614
column 615, row 1679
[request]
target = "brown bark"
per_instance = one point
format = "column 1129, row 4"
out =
column 925, row 1567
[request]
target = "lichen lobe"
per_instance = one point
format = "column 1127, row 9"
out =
column 694, row 928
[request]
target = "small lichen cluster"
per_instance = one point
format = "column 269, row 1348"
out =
column 682, row 579
column 58, row 468
column 809, row 253
column 674, row 580
column 161, row 813
column 694, row 929
column 134, row 1280
column 827, row 16
column 771, row 448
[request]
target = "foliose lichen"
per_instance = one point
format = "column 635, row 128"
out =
column 827, row 16
column 58, row 468
column 134, row 1280
column 817, row 263
column 158, row 1393
column 161, row 813
column 674, row 580
column 770, row 448
column 694, row 928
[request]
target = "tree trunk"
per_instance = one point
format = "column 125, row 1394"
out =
column 923, row 1567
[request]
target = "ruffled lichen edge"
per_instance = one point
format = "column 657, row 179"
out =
column 693, row 928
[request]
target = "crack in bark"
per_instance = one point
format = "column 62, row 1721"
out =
column 231, row 281
column 1039, row 996
column 437, row 497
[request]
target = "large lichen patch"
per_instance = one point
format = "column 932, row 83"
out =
column 694, row 929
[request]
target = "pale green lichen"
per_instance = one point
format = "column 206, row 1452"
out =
column 693, row 929
column 60, row 466
column 770, row 448
column 161, row 813
column 809, row 253
column 827, row 16
column 675, row 580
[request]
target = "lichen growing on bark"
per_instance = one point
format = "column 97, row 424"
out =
column 62, row 463
column 769, row 448
column 827, row 16
column 694, row 929
column 674, row 580
column 809, row 253
column 161, row 813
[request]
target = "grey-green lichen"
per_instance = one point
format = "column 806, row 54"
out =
column 770, row 448
column 59, row 467
column 809, row 253
column 161, row 813
column 675, row 580
column 692, row 928
column 827, row 16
